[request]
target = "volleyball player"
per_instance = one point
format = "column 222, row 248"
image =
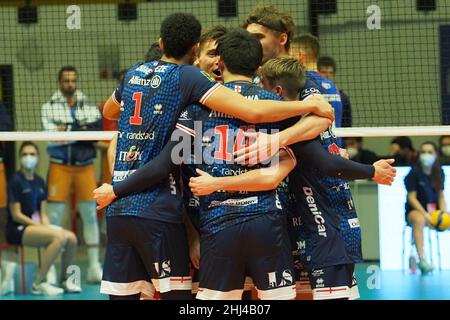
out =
column 151, row 97
column 306, row 49
column 330, row 235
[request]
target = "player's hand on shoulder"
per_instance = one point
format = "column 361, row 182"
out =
column 104, row 195
column 202, row 185
column 321, row 106
column 384, row 171
column 344, row 153
column 262, row 147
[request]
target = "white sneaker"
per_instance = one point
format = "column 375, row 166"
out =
column 52, row 276
column 46, row 289
column 94, row 273
column 70, row 287
column 7, row 287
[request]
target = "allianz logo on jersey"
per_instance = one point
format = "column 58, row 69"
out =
column 133, row 154
column 139, row 81
column 234, row 202
column 137, row 135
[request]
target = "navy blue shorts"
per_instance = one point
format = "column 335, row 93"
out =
column 145, row 255
column 14, row 233
column 258, row 248
column 334, row 282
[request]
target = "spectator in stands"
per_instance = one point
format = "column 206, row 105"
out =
column 327, row 68
column 28, row 224
column 356, row 152
column 403, row 152
column 425, row 185
column 444, row 150
column 71, row 162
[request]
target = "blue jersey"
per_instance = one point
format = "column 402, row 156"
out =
column 29, row 193
column 328, row 89
column 191, row 201
column 214, row 142
column 329, row 230
column 427, row 194
column 152, row 95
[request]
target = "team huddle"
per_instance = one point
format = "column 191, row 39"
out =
column 227, row 174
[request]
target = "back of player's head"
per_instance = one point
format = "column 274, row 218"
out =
column 179, row 33
column 153, row 53
column 240, row 51
column 286, row 72
column 67, row 68
column 308, row 43
column 212, row 35
column 326, row 61
column 269, row 17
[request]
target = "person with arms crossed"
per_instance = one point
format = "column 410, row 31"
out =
column 71, row 163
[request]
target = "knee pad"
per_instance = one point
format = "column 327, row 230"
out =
column 88, row 214
column 55, row 211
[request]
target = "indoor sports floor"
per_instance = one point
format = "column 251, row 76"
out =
column 393, row 285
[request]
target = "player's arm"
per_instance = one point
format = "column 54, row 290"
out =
column 307, row 128
column 232, row 103
column 416, row 205
column 111, row 110
column 254, row 180
column 18, row 216
column 111, row 153
column 313, row 154
column 441, row 201
column 146, row 176
column 265, row 145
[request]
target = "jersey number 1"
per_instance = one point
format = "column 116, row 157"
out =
column 136, row 119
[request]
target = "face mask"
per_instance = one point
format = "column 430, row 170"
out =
column 29, row 162
column 446, row 150
column 427, row 159
column 352, row 152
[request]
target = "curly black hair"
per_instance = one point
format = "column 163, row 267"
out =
column 240, row 51
column 179, row 33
